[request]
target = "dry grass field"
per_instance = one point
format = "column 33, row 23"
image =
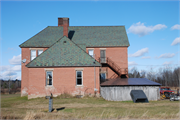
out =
column 66, row 107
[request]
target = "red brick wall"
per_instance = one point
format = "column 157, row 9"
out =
column 64, row 81
column 116, row 54
column 25, row 54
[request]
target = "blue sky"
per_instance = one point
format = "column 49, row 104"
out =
column 152, row 27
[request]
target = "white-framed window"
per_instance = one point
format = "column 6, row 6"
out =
column 91, row 52
column 79, row 78
column 40, row 51
column 33, row 54
column 49, row 78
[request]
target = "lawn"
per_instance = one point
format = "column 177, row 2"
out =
column 15, row 107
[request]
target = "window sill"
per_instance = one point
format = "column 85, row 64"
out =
column 79, row 85
column 49, row 86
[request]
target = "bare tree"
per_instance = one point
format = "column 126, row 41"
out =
column 165, row 76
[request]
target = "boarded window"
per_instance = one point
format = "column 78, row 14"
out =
column 103, row 56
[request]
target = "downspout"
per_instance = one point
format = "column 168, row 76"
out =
column 94, row 76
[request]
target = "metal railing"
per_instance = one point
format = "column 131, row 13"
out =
column 114, row 66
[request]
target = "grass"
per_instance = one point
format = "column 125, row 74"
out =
column 66, row 107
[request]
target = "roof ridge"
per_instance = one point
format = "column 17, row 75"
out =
column 92, row 26
column 94, row 36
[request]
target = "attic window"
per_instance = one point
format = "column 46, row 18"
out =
column 33, row 54
column 40, row 51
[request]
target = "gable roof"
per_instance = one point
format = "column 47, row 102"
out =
column 100, row 36
column 44, row 38
column 90, row 36
column 63, row 53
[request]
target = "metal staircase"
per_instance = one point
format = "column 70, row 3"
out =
column 114, row 67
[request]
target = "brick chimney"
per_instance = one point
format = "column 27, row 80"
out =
column 64, row 22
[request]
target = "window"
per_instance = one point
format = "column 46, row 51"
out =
column 49, row 78
column 40, row 51
column 33, row 54
column 79, row 78
column 91, row 53
column 103, row 76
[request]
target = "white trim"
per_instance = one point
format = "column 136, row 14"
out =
column 36, row 48
column 79, row 69
column 48, row 69
column 81, row 77
column 102, row 48
column 49, row 86
column 79, row 86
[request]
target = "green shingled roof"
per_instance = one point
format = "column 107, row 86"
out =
column 45, row 38
column 100, row 36
column 90, row 36
column 63, row 53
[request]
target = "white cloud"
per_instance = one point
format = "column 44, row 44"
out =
column 5, row 68
column 146, row 57
column 167, row 55
column 167, row 63
column 176, row 41
column 175, row 27
column 130, row 69
column 10, row 72
column 10, row 68
column 132, row 63
column 8, row 75
column 16, row 68
column 16, row 60
column 139, row 52
column 141, row 30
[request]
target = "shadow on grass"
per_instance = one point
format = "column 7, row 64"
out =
column 62, row 108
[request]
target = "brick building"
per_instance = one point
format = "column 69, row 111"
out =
column 72, row 59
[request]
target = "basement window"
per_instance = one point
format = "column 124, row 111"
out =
column 49, row 78
column 33, row 54
column 79, row 80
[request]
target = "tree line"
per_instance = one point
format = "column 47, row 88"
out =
column 166, row 77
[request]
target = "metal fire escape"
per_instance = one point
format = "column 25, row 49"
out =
column 113, row 66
